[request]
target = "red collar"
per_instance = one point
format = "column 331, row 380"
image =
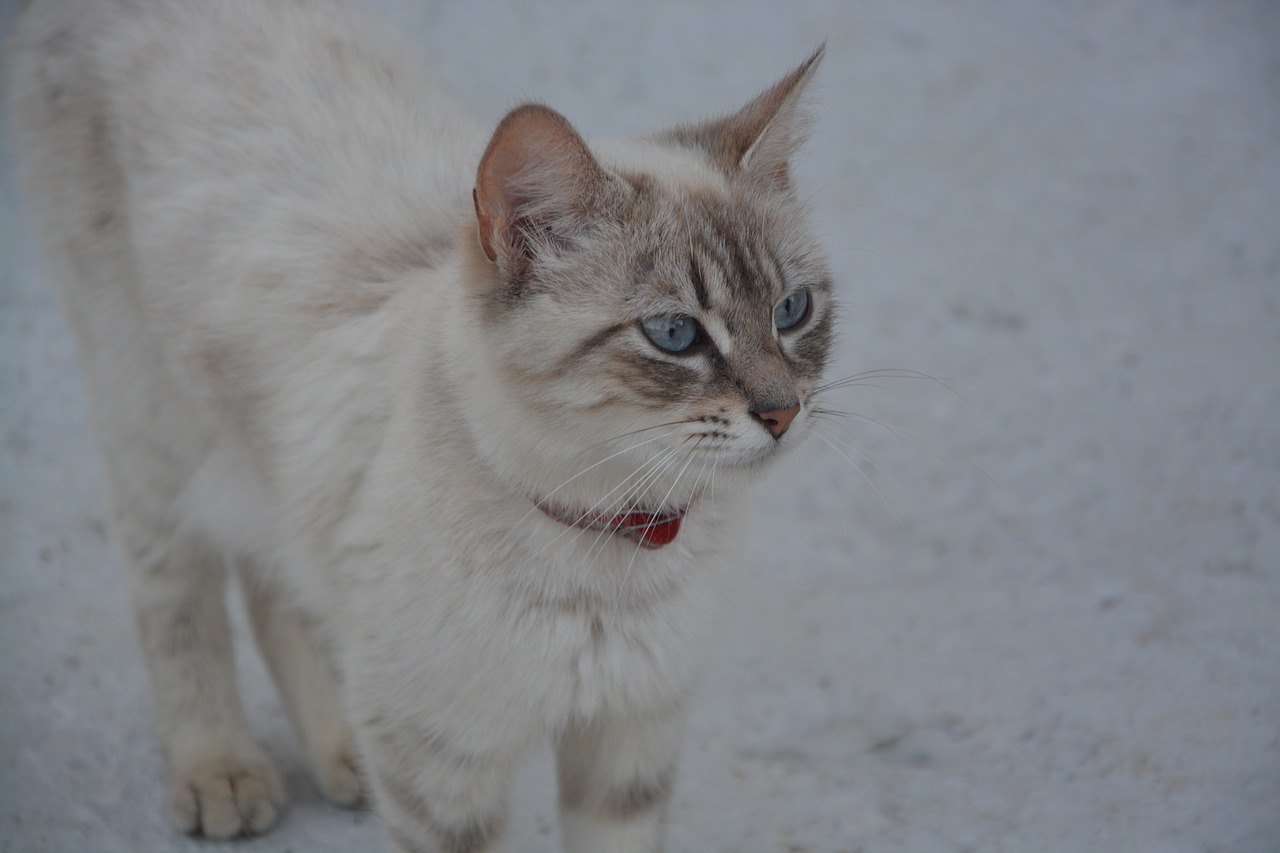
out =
column 648, row 529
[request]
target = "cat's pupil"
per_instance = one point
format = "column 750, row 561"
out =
column 674, row 333
column 791, row 310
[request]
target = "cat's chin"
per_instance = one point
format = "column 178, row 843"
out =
column 754, row 460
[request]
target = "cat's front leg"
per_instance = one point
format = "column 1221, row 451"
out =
column 432, row 795
column 308, row 686
column 220, row 783
column 616, row 776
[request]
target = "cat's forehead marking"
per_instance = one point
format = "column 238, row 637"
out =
column 719, row 333
column 674, row 168
column 729, row 251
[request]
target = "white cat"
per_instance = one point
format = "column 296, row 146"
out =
column 470, row 414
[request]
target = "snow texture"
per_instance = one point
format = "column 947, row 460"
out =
column 1031, row 604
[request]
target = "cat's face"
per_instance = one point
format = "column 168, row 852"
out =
column 661, row 320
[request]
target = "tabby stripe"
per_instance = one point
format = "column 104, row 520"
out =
column 475, row 835
column 768, row 277
column 811, row 352
column 639, row 797
column 744, row 273
column 722, row 261
column 695, row 278
column 769, row 265
column 586, row 347
column 656, row 379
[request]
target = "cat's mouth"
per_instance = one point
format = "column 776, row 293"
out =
column 646, row 527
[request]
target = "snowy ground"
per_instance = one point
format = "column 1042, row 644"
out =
column 1046, row 617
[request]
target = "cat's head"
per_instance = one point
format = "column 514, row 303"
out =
column 654, row 309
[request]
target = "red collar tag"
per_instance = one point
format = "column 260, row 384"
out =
column 648, row 529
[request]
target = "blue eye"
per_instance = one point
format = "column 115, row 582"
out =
column 790, row 311
column 673, row 333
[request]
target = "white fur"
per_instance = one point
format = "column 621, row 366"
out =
column 271, row 385
column 676, row 169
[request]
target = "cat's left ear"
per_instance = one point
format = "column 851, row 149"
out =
column 759, row 140
column 537, row 189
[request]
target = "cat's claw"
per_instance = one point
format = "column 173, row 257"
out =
column 226, row 798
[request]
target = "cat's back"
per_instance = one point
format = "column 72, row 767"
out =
column 229, row 191
column 258, row 124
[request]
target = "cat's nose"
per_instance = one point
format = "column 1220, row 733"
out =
column 776, row 421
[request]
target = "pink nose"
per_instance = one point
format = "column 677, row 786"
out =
column 777, row 421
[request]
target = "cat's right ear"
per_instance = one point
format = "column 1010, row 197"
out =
column 759, row 140
column 535, row 188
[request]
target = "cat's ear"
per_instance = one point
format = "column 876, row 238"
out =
column 535, row 189
column 759, row 140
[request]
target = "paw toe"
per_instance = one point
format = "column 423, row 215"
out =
column 226, row 799
column 339, row 780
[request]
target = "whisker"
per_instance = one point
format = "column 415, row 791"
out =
column 646, row 429
column 890, row 373
column 848, row 444
column 640, row 546
column 879, row 372
column 711, row 487
column 629, row 497
column 888, row 504
column 933, row 448
column 655, row 464
column 850, row 383
column 899, row 431
column 597, row 465
column 659, row 460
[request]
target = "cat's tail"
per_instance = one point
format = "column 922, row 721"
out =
column 68, row 165
column 65, row 152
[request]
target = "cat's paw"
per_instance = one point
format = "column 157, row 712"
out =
column 226, row 797
column 338, row 777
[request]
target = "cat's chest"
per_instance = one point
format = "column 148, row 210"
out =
column 627, row 659
column 619, row 625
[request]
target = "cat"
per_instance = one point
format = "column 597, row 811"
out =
column 469, row 413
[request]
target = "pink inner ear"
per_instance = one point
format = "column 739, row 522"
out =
column 487, row 224
column 497, row 203
column 494, row 200
column 535, row 168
